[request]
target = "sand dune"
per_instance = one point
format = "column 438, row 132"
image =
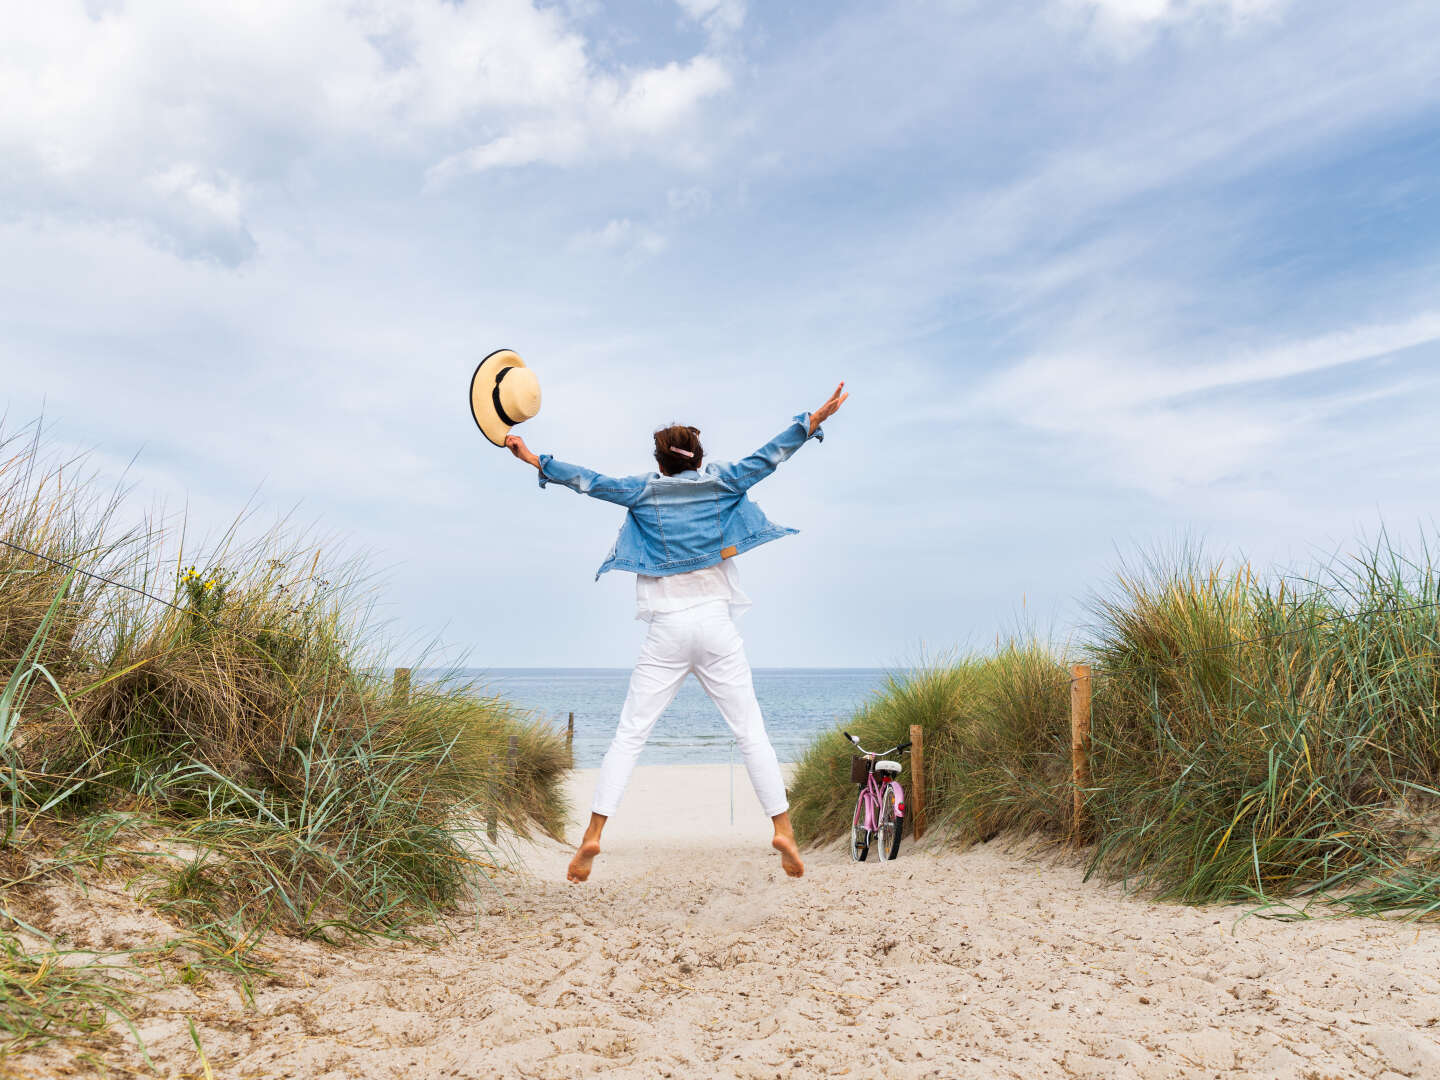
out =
column 689, row 954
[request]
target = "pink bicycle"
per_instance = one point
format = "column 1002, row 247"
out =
column 880, row 807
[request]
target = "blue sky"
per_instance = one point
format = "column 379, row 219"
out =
column 1102, row 275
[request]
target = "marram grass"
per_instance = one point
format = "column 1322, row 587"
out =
column 237, row 744
column 1301, row 761
column 996, row 746
column 1269, row 741
column 44, row 998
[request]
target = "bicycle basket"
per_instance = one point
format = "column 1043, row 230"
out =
column 859, row 769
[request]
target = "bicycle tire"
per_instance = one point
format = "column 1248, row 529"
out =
column 890, row 827
column 859, row 835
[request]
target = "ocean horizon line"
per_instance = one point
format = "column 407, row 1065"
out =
column 579, row 669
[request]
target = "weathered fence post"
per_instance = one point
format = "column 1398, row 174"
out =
column 917, row 780
column 492, row 821
column 401, row 694
column 512, row 761
column 570, row 738
column 1079, row 743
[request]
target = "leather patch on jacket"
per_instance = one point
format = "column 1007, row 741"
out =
column 729, row 552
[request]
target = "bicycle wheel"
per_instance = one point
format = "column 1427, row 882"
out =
column 891, row 826
column 859, row 834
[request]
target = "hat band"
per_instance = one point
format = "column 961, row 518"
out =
column 495, row 400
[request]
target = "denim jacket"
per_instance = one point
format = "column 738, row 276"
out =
column 690, row 520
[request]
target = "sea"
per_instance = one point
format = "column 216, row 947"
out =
column 799, row 704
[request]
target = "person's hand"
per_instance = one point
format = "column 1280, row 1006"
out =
column 516, row 445
column 831, row 406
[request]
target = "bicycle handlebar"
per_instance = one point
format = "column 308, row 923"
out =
column 900, row 749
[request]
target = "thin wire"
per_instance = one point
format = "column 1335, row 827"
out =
column 92, row 574
column 1071, row 679
column 130, row 588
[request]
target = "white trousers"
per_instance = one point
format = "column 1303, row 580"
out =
column 702, row 639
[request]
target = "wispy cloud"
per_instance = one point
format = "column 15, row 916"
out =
column 1154, row 11
column 622, row 234
column 1166, row 422
column 721, row 18
column 608, row 117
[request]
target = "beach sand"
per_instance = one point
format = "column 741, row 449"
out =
column 690, row 954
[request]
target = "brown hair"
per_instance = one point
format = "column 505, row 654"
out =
column 676, row 437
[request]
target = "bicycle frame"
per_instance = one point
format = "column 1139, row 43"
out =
column 873, row 793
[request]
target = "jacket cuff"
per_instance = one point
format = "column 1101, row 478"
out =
column 804, row 421
column 545, row 460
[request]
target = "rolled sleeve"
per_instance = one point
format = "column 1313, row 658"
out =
column 818, row 434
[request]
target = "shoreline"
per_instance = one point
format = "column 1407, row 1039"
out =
column 666, row 803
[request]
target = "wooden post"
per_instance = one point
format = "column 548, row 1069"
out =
column 570, row 738
column 401, row 693
column 511, row 761
column 917, row 780
column 492, row 821
column 1079, row 742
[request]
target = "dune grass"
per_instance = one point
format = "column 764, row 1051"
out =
column 997, row 753
column 1263, row 739
column 225, row 726
column 1302, row 760
column 42, row 999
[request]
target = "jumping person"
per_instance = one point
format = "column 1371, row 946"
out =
column 684, row 527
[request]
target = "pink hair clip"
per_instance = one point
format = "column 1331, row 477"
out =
column 682, row 453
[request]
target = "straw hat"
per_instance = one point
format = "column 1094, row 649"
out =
column 503, row 393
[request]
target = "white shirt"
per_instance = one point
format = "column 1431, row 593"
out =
column 676, row 592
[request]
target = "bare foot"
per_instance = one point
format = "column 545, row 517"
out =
column 580, row 864
column 789, row 855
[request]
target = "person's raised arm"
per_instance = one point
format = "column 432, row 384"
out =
column 624, row 490
column 749, row 471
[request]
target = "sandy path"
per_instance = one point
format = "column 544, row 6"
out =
column 692, row 956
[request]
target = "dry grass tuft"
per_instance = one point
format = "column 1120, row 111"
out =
column 1256, row 739
column 241, row 712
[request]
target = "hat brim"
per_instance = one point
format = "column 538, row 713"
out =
column 482, row 394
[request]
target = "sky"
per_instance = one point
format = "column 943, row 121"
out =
column 1104, row 277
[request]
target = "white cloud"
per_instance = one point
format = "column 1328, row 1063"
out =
column 201, row 214
column 606, row 116
column 689, row 201
column 719, row 17
column 1126, row 28
column 176, row 116
column 1154, row 11
column 622, row 234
